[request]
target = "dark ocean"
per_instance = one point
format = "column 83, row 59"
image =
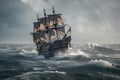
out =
column 85, row 62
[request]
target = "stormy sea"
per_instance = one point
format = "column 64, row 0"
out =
column 84, row 62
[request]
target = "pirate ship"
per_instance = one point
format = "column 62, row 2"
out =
column 51, row 34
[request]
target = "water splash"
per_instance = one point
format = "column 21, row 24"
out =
column 79, row 52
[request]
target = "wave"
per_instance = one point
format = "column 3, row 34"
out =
column 83, row 63
column 41, row 75
column 91, row 66
column 89, row 46
column 102, row 63
column 79, row 52
column 92, row 45
column 72, row 53
column 96, row 46
column 29, row 51
column 102, row 55
column 100, row 51
column 10, row 65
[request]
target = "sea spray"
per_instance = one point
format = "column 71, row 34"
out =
column 79, row 52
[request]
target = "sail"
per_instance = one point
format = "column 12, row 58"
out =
column 55, row 18
column 49, row 28
column 41, row 20
column 51, row 24
column 35, row 29
column 60, row 21
column 52, row 34
column 49, row 21
column 43, row 23
column 38, row 35
column 61, row 30
column 42, row 27
column 41, row 34
column 36, row 26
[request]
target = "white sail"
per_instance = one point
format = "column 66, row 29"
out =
column 59, row 20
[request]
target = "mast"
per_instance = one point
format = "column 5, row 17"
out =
column 55, row 23
column 45, row 17
column 37, row 17
column 46, row 26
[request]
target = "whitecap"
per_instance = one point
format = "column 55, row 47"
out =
column 36, row 68
column 103, row 63
column 102, row 55
column 79, row 52
column 59, row 72
column 29, row 51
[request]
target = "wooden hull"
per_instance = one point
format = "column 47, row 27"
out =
column 50, row 49
column 48, row 54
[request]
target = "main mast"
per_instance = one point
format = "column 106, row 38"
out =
column 55, row 21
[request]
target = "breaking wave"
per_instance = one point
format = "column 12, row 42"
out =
column 102, row 63
column 81, row 53
column 29, row 51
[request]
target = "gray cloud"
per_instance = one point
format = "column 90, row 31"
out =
column 91, row 20
column 94, row 20
column 15, row 21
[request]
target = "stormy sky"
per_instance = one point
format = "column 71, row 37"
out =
column 94, row 21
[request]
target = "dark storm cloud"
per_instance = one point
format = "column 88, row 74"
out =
column 11, row 12
column 15, row 17
column 91, row 20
